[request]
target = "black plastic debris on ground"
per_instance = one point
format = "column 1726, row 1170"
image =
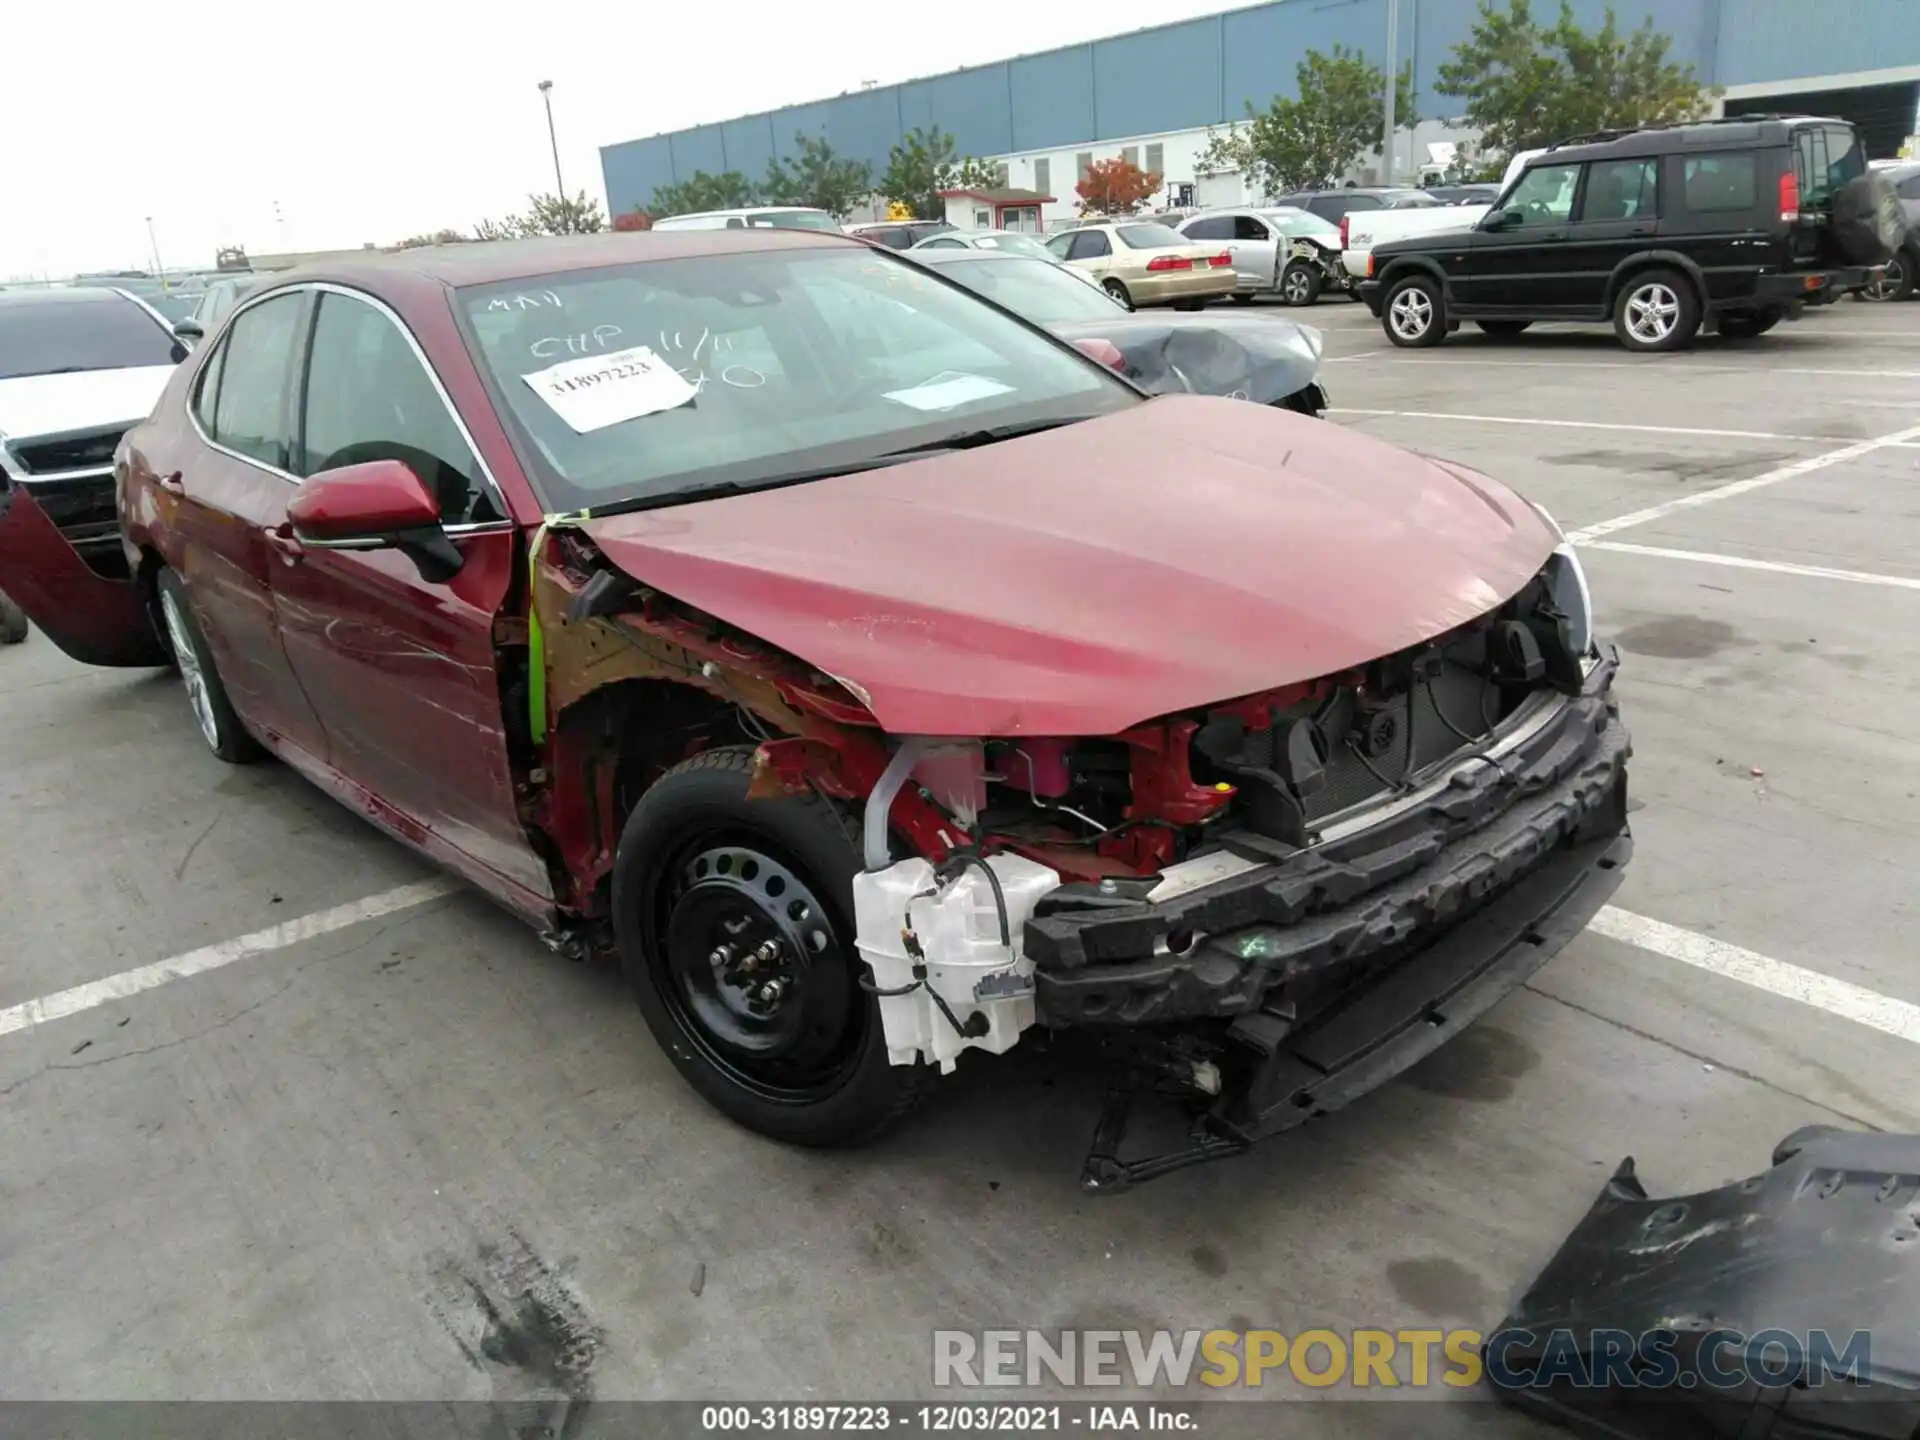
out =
column 1781, row 1307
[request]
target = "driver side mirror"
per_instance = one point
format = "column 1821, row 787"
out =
column 377, row 505
column 1504, row 219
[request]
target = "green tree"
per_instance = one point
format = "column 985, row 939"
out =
column 438, row 237
column 1334, row 118
column 546, row 215
column 1227, row 152
column 975, row 174
column 919, row 167
column 817, row 177
column 1527, row 85
column 729, row 190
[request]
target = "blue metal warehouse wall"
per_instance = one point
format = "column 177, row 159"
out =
column 1202, row 72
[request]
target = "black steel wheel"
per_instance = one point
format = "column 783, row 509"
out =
column 734, row 923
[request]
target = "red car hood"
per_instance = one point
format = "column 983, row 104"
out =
column 1082, row 580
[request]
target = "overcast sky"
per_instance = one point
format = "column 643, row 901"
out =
column 378, row 119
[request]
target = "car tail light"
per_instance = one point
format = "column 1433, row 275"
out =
column 1105, row 351
column 1343, row 232
column 1169, row 262
column 1789, row 196
column 1221, row 259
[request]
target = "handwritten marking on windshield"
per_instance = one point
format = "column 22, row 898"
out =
column 535, row 301
column 548, row 346
column 732, row 374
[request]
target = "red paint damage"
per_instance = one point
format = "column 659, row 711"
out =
column 95, row 620
column 1088, row 579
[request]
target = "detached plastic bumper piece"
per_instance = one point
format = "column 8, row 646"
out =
column 1780, row 1307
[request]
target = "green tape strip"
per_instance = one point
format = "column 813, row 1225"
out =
column 536, row 636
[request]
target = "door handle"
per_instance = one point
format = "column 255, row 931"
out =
column 173, row 484
column 282, row 539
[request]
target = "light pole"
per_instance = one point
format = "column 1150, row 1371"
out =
column 546, row 94
column 159, row 270
column 1387, row 146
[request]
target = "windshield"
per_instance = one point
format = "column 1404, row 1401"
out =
column 1038, row 289
column 663, row 379
column 54, row 336
column 1008, row 243
column 1304, row 225
column 1150, row 237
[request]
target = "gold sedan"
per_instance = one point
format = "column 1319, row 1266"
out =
column 1141, row 263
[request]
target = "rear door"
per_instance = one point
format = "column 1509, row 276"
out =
column 223, row 482
column 1618, row 216
column 403, row 671
column 1713, row 215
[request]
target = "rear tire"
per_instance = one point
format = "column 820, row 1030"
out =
column 698, row 863
column 13, row 623
column 1299, row 285
column 1503, row 329
column 1414, row 315
column 1118, row 290
column 1243, row 298
column 220, row 727
column 1656, row 310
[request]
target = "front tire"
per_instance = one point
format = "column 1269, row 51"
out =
column 1897, row 281
column 1299, row 285
column 734, row 922
column 13, row 622
column 1656, row 310
column 220, row 727
column 1414, row 315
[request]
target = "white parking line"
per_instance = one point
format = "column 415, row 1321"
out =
column 1740, row 487
column 1742, row 562
column 212, row 957
column 1651, row 365
column 1792, row 982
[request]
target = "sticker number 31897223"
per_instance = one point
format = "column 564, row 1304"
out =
column 596, row 391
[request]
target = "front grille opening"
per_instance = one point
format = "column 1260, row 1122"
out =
column 78, row 450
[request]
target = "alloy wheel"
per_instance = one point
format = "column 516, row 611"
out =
column 1653, row 313
column 1294, row 287
column 1890, row 281
column 1411, row 314
column 191, row 674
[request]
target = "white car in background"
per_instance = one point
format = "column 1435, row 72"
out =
column 1368, row 228
column 753, row 217
column 1263, row 241
column 1004, row 242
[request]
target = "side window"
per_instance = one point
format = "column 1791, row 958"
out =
column 1089, row 245
column 1062, row 244
column 1247, row 227
column 368, row 397
column 206, row 392
column 1214, row 227
column 1544, row 194
column 256, row 361
column 1327, row 207
column 1717, row 183
column 1621, row 190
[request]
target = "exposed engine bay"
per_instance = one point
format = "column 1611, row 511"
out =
column 1219, row 882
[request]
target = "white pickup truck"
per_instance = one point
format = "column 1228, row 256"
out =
column 1368, row 228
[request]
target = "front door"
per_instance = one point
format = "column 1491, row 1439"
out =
column 1257, row 253
column 1618, row 215
column 1517, row 259
column 228, row 485
column 403, row 670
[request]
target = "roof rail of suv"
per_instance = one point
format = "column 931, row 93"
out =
column 1597, row 136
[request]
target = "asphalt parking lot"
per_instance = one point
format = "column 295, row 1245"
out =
column 385, row 1146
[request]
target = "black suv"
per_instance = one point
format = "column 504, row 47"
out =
column 1729, row 223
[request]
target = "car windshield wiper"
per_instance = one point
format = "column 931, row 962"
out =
column 988, row 435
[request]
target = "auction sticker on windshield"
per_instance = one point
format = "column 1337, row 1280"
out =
column 946, row 390
column 601, row 390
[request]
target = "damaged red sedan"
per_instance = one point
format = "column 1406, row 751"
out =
column 876, row 676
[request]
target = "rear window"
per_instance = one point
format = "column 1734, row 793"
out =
column 1716, row 183
column 1149, row 237
column 57, row 336
column 1825, row 158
